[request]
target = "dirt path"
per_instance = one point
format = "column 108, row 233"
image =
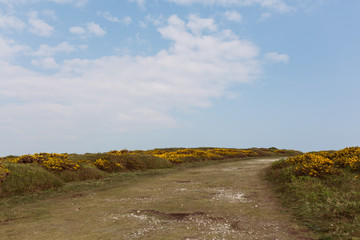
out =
column 221, row 201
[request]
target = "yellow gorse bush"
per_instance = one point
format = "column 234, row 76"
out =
column 59, row 164
column 312, row 165
column 189, row 154
column 324, row 162
column 4, row 172
column 184, row 154
column 108, row 166
column 354, row 163
column 50, row 161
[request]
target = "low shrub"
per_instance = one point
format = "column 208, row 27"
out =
column 116, row 161
column 143, row 161
column 27, row 178
column 108, row 164
column 50, row 161
column 85, row 172
column 59, row 164
column 312, row 165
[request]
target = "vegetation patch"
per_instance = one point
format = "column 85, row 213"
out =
column 27, row 178
column 322, row 189
column 4, row 173
column 85, row 172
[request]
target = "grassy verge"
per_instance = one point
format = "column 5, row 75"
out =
column 323, row 195
column 27, row 179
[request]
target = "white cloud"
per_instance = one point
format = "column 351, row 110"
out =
column 276, row 5
column 108, row 16
column 142, row 25
column 197, row 24
column 11, row 22
column 156, row 21
column 95, row 29
column 38, row 26
column 49, row 14
column 91, row 29
column 141, row 3
column 79, row 3
column 46, row 63
column 46, row 50
column 277, row 57
column 233, row 16
column 45, row 54
column 112, row 94
column 77, row 30
column 265, row 16
column 8, row 49
column 126, row 20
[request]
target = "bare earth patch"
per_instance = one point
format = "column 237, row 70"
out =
column 228, row 200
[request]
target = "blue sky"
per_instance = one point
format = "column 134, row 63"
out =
column 93, row 76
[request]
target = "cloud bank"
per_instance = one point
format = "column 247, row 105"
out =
column 113, row 94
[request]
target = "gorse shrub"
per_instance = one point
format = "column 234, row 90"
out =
column 181, row 155
column 59, row 164
column 108, row 164
column 323, row 163
column 190, row 155
column 49, row 161
column 116, row 161
column 347, row 157
column 4, row 173
column 312, row 165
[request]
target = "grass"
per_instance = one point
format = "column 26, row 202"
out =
column 27, row 178
column 328, row 205
column 32, row 178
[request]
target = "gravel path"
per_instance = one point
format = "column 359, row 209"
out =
column 229, row 200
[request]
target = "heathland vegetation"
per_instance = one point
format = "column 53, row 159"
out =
column 322, row 189
column 41, row 171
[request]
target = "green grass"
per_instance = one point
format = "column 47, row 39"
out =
column 32, row 178
column 329, row 206
column 27, row 178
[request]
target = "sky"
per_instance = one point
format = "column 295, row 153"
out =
column 83, row 76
